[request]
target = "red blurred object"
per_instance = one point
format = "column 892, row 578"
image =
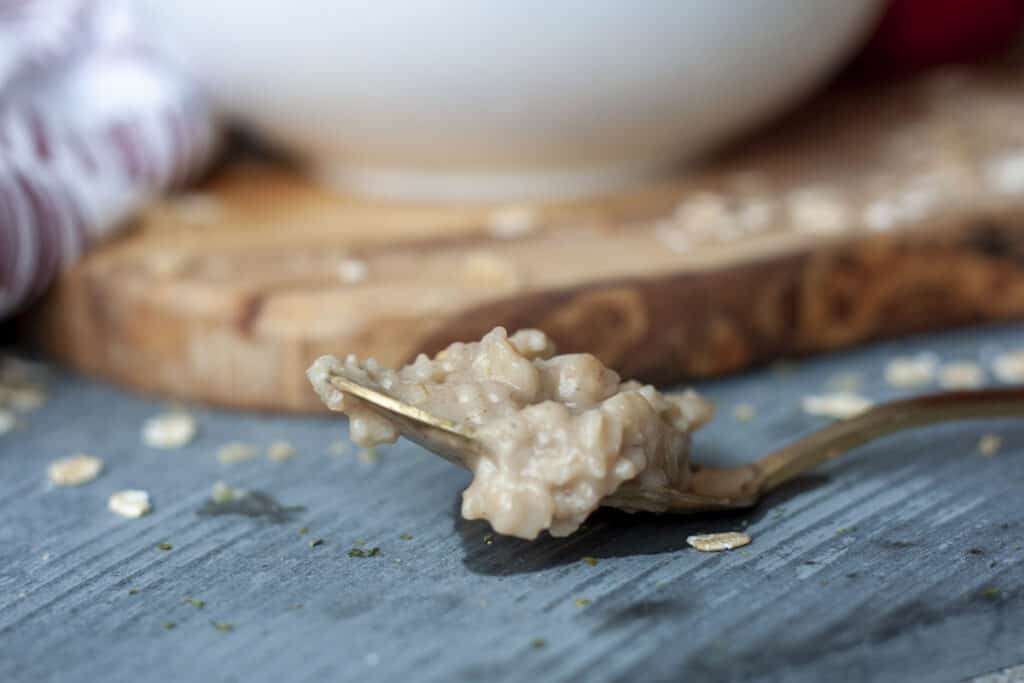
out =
column 914, row 34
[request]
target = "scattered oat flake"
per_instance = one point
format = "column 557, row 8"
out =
column 280, row 450
column 512, row 221
column 222, row 493
column 74, row 470
column 130, row 503
column 961, row 375
column 592, row 561
column 989, row 444
column 315, row 542
column 582, row 602
column 223, row 626
column 236, row 451
column 352, row 271
column 1008, row 367
column 406, row 537
column 198, row 604
column 906, row 372
column 744, row 412
column 839, row 405
column 713, row 543
column 164, row 546
column 7, row 421
column 169, row 430
column 817, row 211
column 362, row 552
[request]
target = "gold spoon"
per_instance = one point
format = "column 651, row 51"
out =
column 720, row 488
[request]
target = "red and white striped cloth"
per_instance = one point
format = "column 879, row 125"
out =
column 93, row 123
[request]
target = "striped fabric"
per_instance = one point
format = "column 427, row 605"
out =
column 93, row 123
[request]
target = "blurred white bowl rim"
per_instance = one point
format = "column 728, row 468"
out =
column 480, row 100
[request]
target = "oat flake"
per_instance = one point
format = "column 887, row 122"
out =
column 280, row 450
column 839, row 405
column 352, row 271
column 961, row 375
column 74, row 470
column 130, row 503
column 170, row 430
column 989, row 444
column 236, row 451
column 511, row 222
column 7, row 421
column 906, row 372
column 1008, row 367
column 713, row 543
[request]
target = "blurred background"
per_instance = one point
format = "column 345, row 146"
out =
column 655, row 185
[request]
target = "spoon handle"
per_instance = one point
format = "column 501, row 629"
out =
column 828, row 443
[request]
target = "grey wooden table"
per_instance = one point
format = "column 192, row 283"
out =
column 904, row 562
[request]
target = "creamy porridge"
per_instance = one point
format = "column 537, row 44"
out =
column 559, row 433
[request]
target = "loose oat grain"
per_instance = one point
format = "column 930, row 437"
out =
column 907, row 372
column 989, row 444
column 1008, row 367
column 169, row 430
column 7, row 421
column 961, row 375
column 236, row 451
column 280, row 450
column 74, row 470
column 130, row 503
column 713, row 543
column 352, row 271
column 839, row 406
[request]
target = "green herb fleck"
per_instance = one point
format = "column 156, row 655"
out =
column 133, row 591
column 303, row 531
column 362, row 552
column 169, row 625
column 198, row 604
column 489, row 539
column 538, row 643
column 164, row 546
column 406, row 537
column 315, row 542
column 845, row 530
column 223, row 626
column 990, row 592
column 582, row 602
column 592, row 561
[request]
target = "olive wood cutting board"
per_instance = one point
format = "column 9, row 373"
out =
column 874, row 211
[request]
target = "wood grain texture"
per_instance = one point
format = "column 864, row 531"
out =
column 874, row 212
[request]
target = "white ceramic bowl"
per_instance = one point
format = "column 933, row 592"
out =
column 484, row 99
